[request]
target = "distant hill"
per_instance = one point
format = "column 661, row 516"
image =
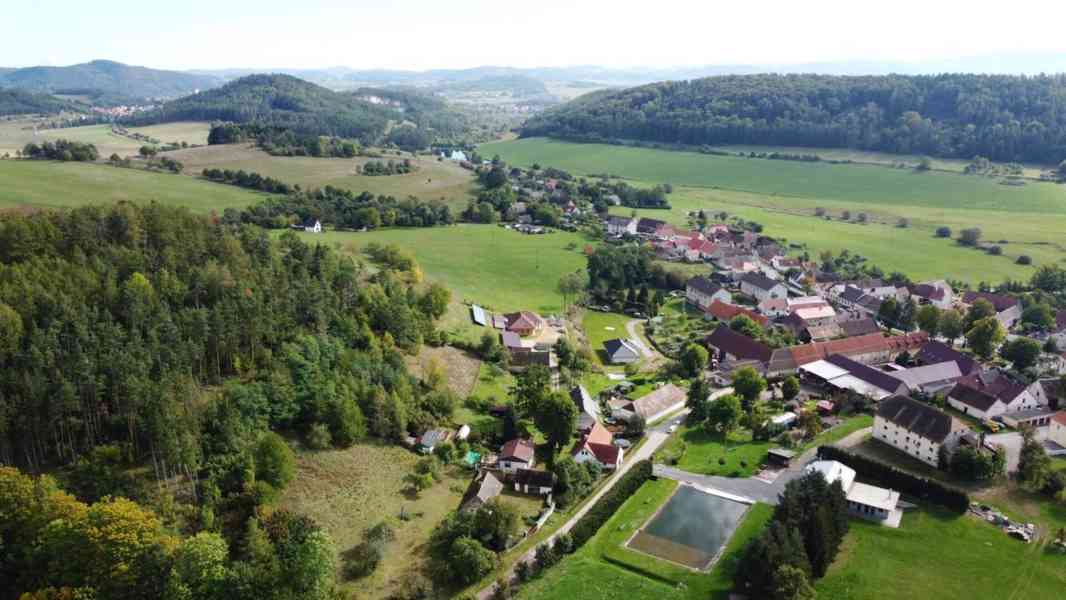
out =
column 1000, row 117
column 21, row 102
column 281, row 101
column 110, row 78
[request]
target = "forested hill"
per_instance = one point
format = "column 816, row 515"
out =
column 280, row 101
column 1005, row 118
column 21, row 102
column 437, row 120
column 108, row 77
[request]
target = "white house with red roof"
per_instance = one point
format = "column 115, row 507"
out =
column 598, row 446
column 516, row 454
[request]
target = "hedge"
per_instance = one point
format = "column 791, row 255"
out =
column 899, row 480
column 606, row 506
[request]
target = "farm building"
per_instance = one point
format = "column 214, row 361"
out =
column 991, row 393
column 534, row 482
column 864, row 501
column 761, row 287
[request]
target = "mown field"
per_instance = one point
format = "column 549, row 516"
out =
column 500, row 269
column 433, row 180
column 604, row 569
column 17, row 133
column 46, row 184
column 783, row 196
column 939, row 555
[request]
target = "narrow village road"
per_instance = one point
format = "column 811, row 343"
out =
column 656, row 437
column 647, row 350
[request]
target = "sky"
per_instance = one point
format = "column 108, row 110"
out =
column 427, row 34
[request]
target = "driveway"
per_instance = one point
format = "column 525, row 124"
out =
column 1012, row 443
column 638, row 340
column 749, row 487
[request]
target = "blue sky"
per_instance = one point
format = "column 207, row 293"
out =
column 421, row 34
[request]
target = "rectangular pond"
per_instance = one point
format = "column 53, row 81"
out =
column 691, row 528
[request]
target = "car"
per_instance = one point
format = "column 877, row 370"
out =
column 672, row 428
column 621, row 443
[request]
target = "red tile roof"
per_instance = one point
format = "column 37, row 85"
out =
column 606, row 454
column 1060, row 418
column 599, row 435
column 725, row 312
column 862, row 344
column 517, row 450
column 523, row 321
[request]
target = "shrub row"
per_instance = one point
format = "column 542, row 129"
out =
column 610, row 502
column 901, row 481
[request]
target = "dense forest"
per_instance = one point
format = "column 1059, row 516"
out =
column 145, row 335
column 22, row 102
column 280, row 101
column 279, row 141
column 1004, row 118
column 107, row 77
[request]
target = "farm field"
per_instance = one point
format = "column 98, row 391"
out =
column 46, row 184
column 14, row 135
column 604, row 569
column 434, row 179
column 960, row 558
column 500, row 269
column 783, row 196
column 347, row 491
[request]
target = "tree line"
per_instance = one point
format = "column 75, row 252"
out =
column 1001, row 117
column 280, row 141
column 64, row 150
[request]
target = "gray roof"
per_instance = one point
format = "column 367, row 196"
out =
column 916, row 377
column 738, row 345
column 583, row 400
column 481, row 491
column 859, row 327
column 917, row 417
column 760, row 281
column 934, row 352
column 870, row 375
column 703, row 285
column 618, row 345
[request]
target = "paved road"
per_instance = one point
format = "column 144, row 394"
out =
column 1012, row 443
column 634, row 336
column 656, row 436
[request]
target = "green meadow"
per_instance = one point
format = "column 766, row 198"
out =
column 783, row 196
column 46, row 184
column 16, row 133
column 498, row 268
column 434, row 180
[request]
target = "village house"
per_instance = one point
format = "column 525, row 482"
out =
column 935, row 352
column 429, row 440
column 524, row 323
column 938, row 293
column 597, row 446
column 534, row 482
column 701, row 292
column 989, row 394
column 732, row 349
column 726, row 312
column 588, row 411
column 482, row 489
column 1056, row 434
column 916, row 428
column 761, row 287
column 649, row 227
column 516, row 454
column 657, row 404
column 857, row 327
column 1008, row 308
column 774, row 307
column 697, row 249
column 930, row 379
column 312, row 226
column 872, row 349
column 617, row 225
column 864, row 501
column 785, row 263
column 621, row 351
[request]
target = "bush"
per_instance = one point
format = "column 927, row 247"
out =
column 318, row 437
column 610, row 502
column 906, row 483
column 943, row 232
column 1024, row 259
column 995, row 250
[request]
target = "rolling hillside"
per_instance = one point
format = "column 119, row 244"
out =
column 109, row 78
column 22, row 102
column 1003, row 118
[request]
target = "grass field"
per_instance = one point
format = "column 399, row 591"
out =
column 16, row 134
column 498, row 268
column 434, row 179
column 600, row 327
column 604, row 569
column 347, row 491
column 782, row 195
column 46, row 184
column 960, row 558
column 740, row 455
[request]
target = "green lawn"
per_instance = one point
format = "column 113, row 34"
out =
column 782, row 195
column 17, row 133
column 46, row 184
column 600, row 327
column 433, row 180
column 841, row 431
column 498, row 268
column 603, row 568
column 935, row 554
column 703, row 451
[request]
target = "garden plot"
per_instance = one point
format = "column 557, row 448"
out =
column 691, row 528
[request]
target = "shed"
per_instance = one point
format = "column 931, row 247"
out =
column 780, row 457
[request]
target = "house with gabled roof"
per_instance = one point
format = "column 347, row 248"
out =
column 761, row 287
column 930, row 379
column 588, row 412
column 916, row 428
column 726, row 312
column 934, row 352
column 1008, row 308
column 482, row 489
column 938, row 293
column 701, row 292
column 524, row 323
column 649, row 227
column 516, row 454
column 534, row 482
column 663, row 400
column 841, row 373
column 989, row 394
column 618, row 225
column 621, row 351
column 732, row 347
